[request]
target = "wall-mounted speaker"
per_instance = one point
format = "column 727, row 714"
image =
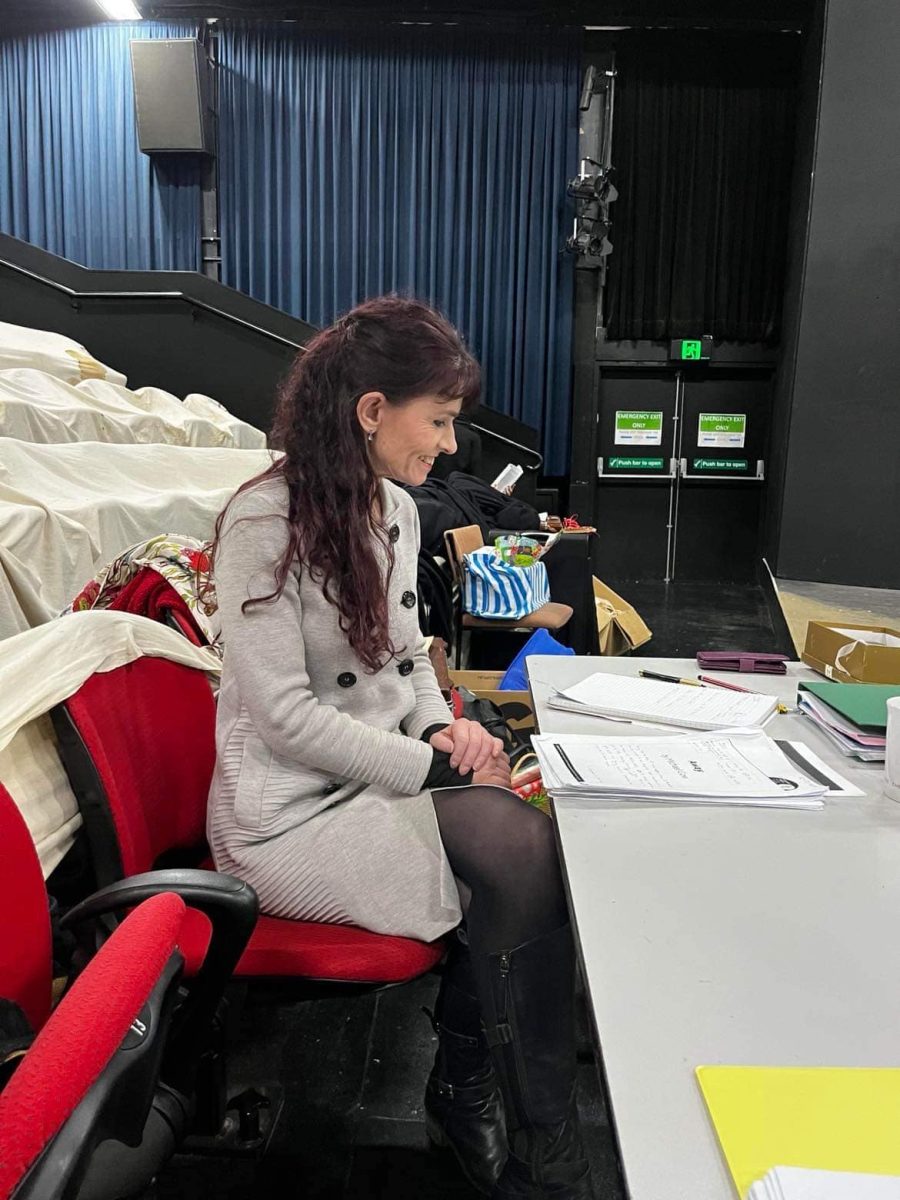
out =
column 171, row 96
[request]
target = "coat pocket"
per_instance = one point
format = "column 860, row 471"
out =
column 256, row 762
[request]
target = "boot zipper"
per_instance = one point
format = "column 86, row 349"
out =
column 513, row 1048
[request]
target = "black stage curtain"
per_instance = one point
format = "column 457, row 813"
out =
column 703, row 141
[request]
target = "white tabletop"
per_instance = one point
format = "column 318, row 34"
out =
column 725, row 935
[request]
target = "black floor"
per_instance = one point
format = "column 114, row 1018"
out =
column 686, row 617
column 353, row 1071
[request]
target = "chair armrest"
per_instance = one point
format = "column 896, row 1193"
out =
column 232, row 907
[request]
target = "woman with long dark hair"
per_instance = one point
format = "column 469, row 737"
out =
column 342, row 791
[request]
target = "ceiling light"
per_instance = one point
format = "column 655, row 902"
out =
column 120, row 10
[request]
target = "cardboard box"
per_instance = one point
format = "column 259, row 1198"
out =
column 619, row 627
column 853, row 653
column 515, row 706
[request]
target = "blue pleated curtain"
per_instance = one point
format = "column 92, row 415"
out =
column 73, row 179
column 422, row 160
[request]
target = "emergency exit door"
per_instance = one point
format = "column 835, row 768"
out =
column 681, row 471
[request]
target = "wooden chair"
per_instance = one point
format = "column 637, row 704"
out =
column 463, row 541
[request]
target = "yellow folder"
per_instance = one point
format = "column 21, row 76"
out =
column 830, row 1118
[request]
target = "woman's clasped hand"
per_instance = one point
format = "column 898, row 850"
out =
column 472, row 748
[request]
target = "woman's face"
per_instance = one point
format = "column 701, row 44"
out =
column 408, row 437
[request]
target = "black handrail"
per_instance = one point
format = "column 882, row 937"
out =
column 499, row 437
column 210, row 308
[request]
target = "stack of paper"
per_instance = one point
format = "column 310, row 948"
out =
column 798, row 1183
column 746, row 768
column 853, row 716
column 834, row 1119
column 639, row 699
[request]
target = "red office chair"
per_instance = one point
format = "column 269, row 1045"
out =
column 98, row 1101
column 138, row 745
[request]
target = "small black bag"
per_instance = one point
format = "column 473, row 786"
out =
column 486, row 713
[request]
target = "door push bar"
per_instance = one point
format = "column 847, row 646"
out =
column 678, row 469
column 646, row 476
column 758, row 477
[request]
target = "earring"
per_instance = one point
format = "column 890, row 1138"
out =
column 370, row 436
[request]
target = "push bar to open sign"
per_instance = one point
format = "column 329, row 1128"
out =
column 652, row 469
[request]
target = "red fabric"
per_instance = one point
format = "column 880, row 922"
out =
column 187, row 626
column 305, row 949
column 151, row 595
column 25, row 947
column 149, row 728
column 83, row 1034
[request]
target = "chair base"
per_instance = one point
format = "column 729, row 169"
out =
column 250, row 1123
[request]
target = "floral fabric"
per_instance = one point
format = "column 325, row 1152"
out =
column 182, row 561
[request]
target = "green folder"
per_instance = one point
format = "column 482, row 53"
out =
column 865, row 704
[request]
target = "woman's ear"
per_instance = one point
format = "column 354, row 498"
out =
column 369, row 410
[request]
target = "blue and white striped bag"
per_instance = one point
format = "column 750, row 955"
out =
column 495, row 589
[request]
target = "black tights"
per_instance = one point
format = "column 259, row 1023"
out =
column 503, row 854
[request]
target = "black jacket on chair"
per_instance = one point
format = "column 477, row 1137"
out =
column 462, row 499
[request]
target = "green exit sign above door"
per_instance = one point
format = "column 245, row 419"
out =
column 691, row 350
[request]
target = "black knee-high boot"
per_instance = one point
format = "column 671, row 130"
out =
column 529, row 1016
column 463, row 1103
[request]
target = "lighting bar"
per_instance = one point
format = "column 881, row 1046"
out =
column 120, row 10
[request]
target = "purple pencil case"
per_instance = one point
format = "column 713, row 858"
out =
column 742, row 660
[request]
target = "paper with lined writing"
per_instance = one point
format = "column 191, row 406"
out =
column 748, row 767
column 667, row 703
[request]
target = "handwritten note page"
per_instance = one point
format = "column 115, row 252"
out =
column 718, row 767
column 670, row 703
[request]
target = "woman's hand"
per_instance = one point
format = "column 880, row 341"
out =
column 470, row 746
column 495, row 774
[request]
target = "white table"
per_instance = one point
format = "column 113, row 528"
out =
column 725, row 935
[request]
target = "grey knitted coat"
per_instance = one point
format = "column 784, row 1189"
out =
column 317, row 798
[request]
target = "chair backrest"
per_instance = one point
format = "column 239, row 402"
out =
column 460, row 542
column 149, row 730
column 78, row 1062
column 25, row 945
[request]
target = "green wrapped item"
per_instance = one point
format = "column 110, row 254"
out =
column 517, row 550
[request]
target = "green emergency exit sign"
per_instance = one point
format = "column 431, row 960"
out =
column 691, row 350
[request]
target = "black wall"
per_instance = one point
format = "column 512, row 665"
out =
column 836, row 514
column 175, row 330
column 182, row 332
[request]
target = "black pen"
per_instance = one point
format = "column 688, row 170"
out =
column 669, row 678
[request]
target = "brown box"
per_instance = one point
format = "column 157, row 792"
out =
column 515, row 706
column 853, row 653
column 619, row 627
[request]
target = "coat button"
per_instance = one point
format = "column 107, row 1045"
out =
column 394, row 533
column 408, row 599
column 346, row 679
column 406, row 667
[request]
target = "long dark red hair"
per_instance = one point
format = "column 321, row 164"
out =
column 397, row 346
